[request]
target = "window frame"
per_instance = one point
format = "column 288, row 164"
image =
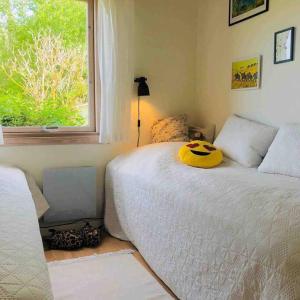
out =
column 65, row 135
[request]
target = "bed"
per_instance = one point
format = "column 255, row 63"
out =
column 23, row 269
column 224, row 233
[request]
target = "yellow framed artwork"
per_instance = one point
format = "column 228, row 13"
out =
column 246, row 73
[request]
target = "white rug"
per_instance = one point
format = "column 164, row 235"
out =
column 110, row 276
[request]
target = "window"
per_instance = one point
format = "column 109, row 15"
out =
column 47, row 67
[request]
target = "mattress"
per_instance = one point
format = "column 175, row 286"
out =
column 23, row 269
column 224, row 233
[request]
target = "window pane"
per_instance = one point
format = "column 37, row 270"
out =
column 44, row 63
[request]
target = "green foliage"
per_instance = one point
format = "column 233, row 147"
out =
column 43, row 62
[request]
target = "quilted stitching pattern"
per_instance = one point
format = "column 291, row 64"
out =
column 224, row 233
column 23, row 270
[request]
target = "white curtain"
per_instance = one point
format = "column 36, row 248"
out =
column 115, row 70
column 1, row 136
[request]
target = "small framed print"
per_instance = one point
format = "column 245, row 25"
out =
column 284, row 45
column 246, row 73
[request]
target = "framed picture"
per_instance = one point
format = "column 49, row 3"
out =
column 284, row 45
column 241, row 10
column 246, row 73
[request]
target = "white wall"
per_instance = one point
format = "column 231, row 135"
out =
column 278, row 101
column 165, row 52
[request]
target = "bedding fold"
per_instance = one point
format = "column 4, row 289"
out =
column 23, row 270
column 40, row 202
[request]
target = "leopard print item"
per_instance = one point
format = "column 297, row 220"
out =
column 91, row 236
column 88, row 236
column 65, row 240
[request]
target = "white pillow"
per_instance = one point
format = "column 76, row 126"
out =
column 283, row 156
column 245, row 141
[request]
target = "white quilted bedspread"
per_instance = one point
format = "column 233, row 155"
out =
column 224, row 233
column 23, row 270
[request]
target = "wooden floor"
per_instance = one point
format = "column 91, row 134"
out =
column 109, row 244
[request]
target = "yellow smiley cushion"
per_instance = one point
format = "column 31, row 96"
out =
column 200, row 154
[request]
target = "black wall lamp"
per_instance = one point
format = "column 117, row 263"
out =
column 143, row 90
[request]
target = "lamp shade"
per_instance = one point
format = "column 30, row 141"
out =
column 143, row 88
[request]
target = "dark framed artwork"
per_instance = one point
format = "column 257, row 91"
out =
column 284, row 43
column 241, row 10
